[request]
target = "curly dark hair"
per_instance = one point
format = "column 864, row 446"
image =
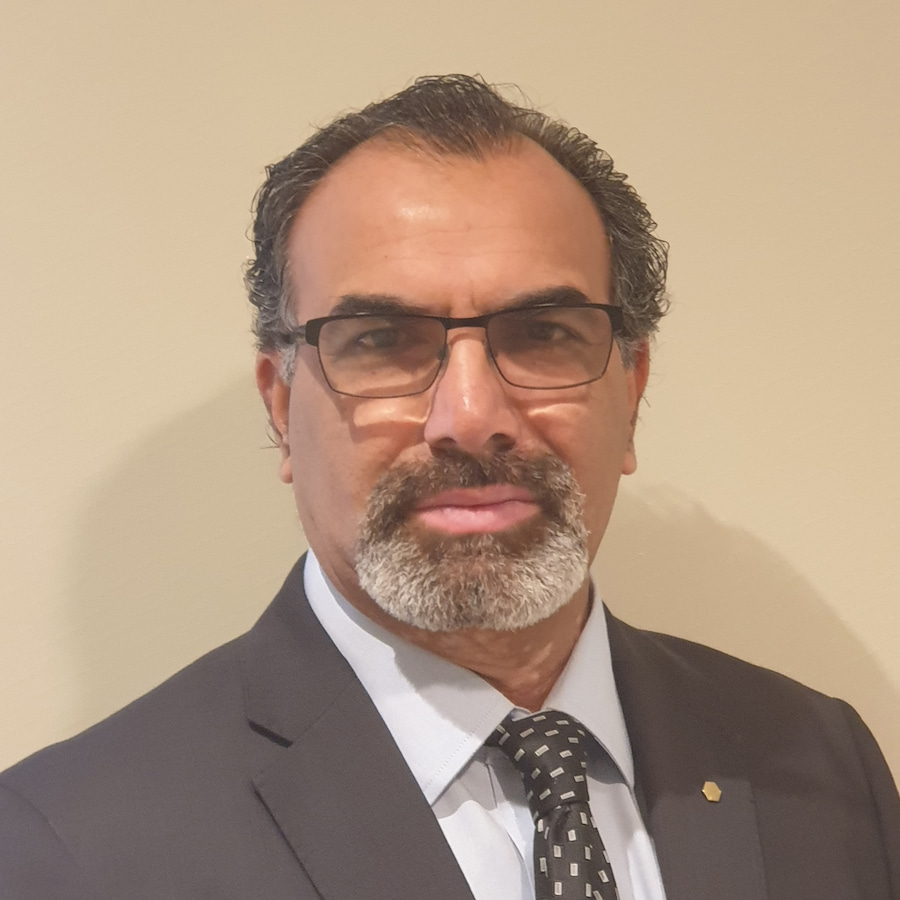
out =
column 456, row 114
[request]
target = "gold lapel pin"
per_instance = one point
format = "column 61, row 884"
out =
column 711, row 791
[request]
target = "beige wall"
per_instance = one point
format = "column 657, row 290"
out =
column 142, row 521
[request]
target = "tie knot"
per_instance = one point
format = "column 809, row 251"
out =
column 550, row 751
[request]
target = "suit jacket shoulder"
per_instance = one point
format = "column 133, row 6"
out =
column 808, row 806
column 139, row 805
column 262, row 770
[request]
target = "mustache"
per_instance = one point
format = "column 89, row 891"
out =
column 400, row 489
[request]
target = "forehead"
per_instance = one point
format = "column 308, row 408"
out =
column 447, row 234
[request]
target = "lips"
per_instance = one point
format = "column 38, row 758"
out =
column 457, row 494
column 489, row 508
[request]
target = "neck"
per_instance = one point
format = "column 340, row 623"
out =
column 523, row 665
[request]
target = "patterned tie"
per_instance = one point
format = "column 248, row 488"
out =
column 549, row 750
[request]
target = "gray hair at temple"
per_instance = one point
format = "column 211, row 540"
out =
column 454, row 115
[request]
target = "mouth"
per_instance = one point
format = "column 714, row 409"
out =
column 477, row 510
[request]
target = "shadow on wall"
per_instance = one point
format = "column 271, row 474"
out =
column 180, row 549
column 185, row 543
column 667, row 565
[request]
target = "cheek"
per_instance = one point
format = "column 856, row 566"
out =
column 320, row 453
column 340, row 447
column 590, row 433
column 593, row 438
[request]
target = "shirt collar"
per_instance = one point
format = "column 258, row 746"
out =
column 440, row 714
column 586, row 690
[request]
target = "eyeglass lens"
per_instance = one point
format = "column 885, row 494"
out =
column 394, row 356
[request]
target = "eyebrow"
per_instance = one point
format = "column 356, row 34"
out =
column 558, row 295
column 392, row 305
column 375, row 304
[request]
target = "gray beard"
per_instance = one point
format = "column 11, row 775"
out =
column 502, row 581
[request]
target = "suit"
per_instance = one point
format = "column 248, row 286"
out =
column 264, row 770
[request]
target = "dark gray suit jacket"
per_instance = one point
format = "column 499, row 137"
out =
column 264, row 771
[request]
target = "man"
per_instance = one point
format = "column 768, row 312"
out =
column 454, row 301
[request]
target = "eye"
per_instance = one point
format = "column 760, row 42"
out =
column 547, row 331
column 370, row 336
column 549, row 328
column 559, row 331
column 381, row 339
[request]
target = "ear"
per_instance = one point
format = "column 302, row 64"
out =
column 276, row 395
column 636, row 374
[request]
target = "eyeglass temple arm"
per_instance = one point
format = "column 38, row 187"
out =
column 294, row 335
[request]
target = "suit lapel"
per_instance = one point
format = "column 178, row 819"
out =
column 328, row 770
column 681, row 737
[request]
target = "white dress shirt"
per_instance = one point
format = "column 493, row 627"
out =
column 440, row 716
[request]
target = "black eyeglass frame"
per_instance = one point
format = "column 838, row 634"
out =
column 309, row 332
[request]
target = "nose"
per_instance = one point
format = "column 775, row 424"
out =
column 471, row 408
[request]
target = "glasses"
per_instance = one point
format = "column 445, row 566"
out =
column 542, row 347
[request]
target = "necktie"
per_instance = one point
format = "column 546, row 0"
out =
column 549, row 749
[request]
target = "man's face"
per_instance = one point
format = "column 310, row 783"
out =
column 447, row 236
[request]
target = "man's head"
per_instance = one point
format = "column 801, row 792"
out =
column 455, row 115
column 478, row 497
